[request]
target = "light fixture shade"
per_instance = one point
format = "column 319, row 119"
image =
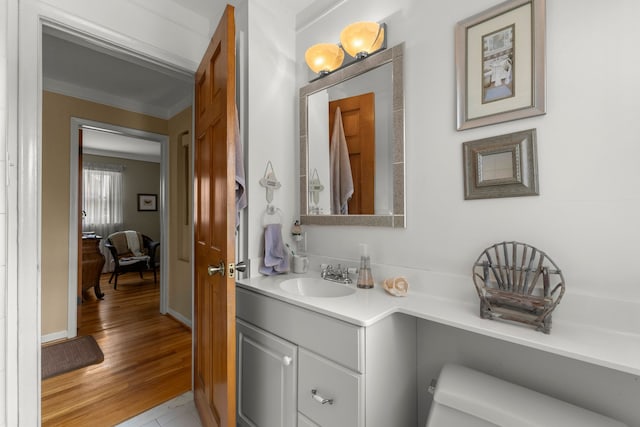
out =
column 362, row 38
column 323, row 58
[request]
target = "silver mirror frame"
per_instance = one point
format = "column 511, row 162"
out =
column 394, row 55
column 524, row 156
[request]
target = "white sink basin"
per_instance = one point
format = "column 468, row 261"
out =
column 312, row 287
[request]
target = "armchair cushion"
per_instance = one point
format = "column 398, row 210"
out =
column 119, row 241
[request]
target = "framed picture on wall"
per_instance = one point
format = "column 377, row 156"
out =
column 500, row 64
column 147, row 202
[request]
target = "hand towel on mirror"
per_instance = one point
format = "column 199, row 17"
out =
column 341, row 177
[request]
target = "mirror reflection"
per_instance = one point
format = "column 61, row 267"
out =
column 352, row 126
column 350, row 134
column 496, row 166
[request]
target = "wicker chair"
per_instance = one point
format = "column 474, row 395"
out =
column 126, row 261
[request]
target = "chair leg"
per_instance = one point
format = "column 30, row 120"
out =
column 115, row 285
column 113, row 273
column 155, row 277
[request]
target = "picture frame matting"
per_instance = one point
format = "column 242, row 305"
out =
column 500, row 64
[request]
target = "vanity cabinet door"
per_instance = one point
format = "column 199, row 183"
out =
column 266, row 378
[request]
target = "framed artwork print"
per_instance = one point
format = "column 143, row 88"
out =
column 147, row 202
column 500, row 64
column 501, row 166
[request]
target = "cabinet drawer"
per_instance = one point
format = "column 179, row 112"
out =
column 334, row 339
column 305, row 422
column 345, row 388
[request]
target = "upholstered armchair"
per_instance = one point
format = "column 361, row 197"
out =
column 132, row 251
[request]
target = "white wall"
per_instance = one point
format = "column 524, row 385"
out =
column 272, row 108
column 588, row 145
column 317, row 130
column 586, row 215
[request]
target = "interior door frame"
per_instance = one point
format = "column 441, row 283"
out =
column 163, row 140
column 24, row 193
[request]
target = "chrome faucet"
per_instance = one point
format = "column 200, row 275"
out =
column 337, row 274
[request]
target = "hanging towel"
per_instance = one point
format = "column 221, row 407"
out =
column 276, row 258
column 241, row 194
column 341, row 178
column 133, row 241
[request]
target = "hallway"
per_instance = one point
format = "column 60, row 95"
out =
column 147, row 359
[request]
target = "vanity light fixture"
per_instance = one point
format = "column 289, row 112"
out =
column 362, row 38
column 359, row 40
column 324, row 58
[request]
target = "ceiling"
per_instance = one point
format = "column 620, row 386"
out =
column 74, row 67
column 78, row 67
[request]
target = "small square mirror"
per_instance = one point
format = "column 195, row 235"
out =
column 501, row 166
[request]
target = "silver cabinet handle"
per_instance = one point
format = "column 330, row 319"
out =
column 216, row 270
column 286, row 360
column 320, row 399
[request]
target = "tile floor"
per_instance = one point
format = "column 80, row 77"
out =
column 178, row 412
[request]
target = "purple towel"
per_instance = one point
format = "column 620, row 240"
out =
column 276, row 258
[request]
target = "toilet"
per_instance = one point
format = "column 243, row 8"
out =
column 464, row 397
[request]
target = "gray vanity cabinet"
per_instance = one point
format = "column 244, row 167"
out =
column 345, row 374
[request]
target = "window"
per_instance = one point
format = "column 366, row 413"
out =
column 102, row 198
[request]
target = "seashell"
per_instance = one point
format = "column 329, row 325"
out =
column 396, row 286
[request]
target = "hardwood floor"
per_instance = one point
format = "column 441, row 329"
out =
column 147, row 359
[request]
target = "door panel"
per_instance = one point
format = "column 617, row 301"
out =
column 358, row 120
column 214, row 228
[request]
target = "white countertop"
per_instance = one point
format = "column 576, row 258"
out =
column 586, row 328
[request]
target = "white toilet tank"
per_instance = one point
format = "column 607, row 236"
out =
column 467, row 398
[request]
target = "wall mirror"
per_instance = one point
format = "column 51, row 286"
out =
column 352, row 124
column 501, row 166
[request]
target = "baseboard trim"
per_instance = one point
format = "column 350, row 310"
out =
column 179, row 317
column 54, row 336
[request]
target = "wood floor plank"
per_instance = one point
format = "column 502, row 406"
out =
column 147, row 359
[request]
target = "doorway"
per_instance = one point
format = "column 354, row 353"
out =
column 129, row 122
column 75, row 151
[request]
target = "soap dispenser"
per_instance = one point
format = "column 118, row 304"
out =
column 365, row 279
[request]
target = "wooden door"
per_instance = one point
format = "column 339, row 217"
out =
column 214, row 299
column 358, row 120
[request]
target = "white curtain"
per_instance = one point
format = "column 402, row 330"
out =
column 102, row 202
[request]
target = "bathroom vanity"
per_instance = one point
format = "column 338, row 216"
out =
column 360, row 351
column 300, row 367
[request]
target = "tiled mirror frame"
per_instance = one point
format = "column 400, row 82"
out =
column 397, row 218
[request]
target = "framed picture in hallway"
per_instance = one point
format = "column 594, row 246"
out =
column 147, row 202
column 500, row 64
